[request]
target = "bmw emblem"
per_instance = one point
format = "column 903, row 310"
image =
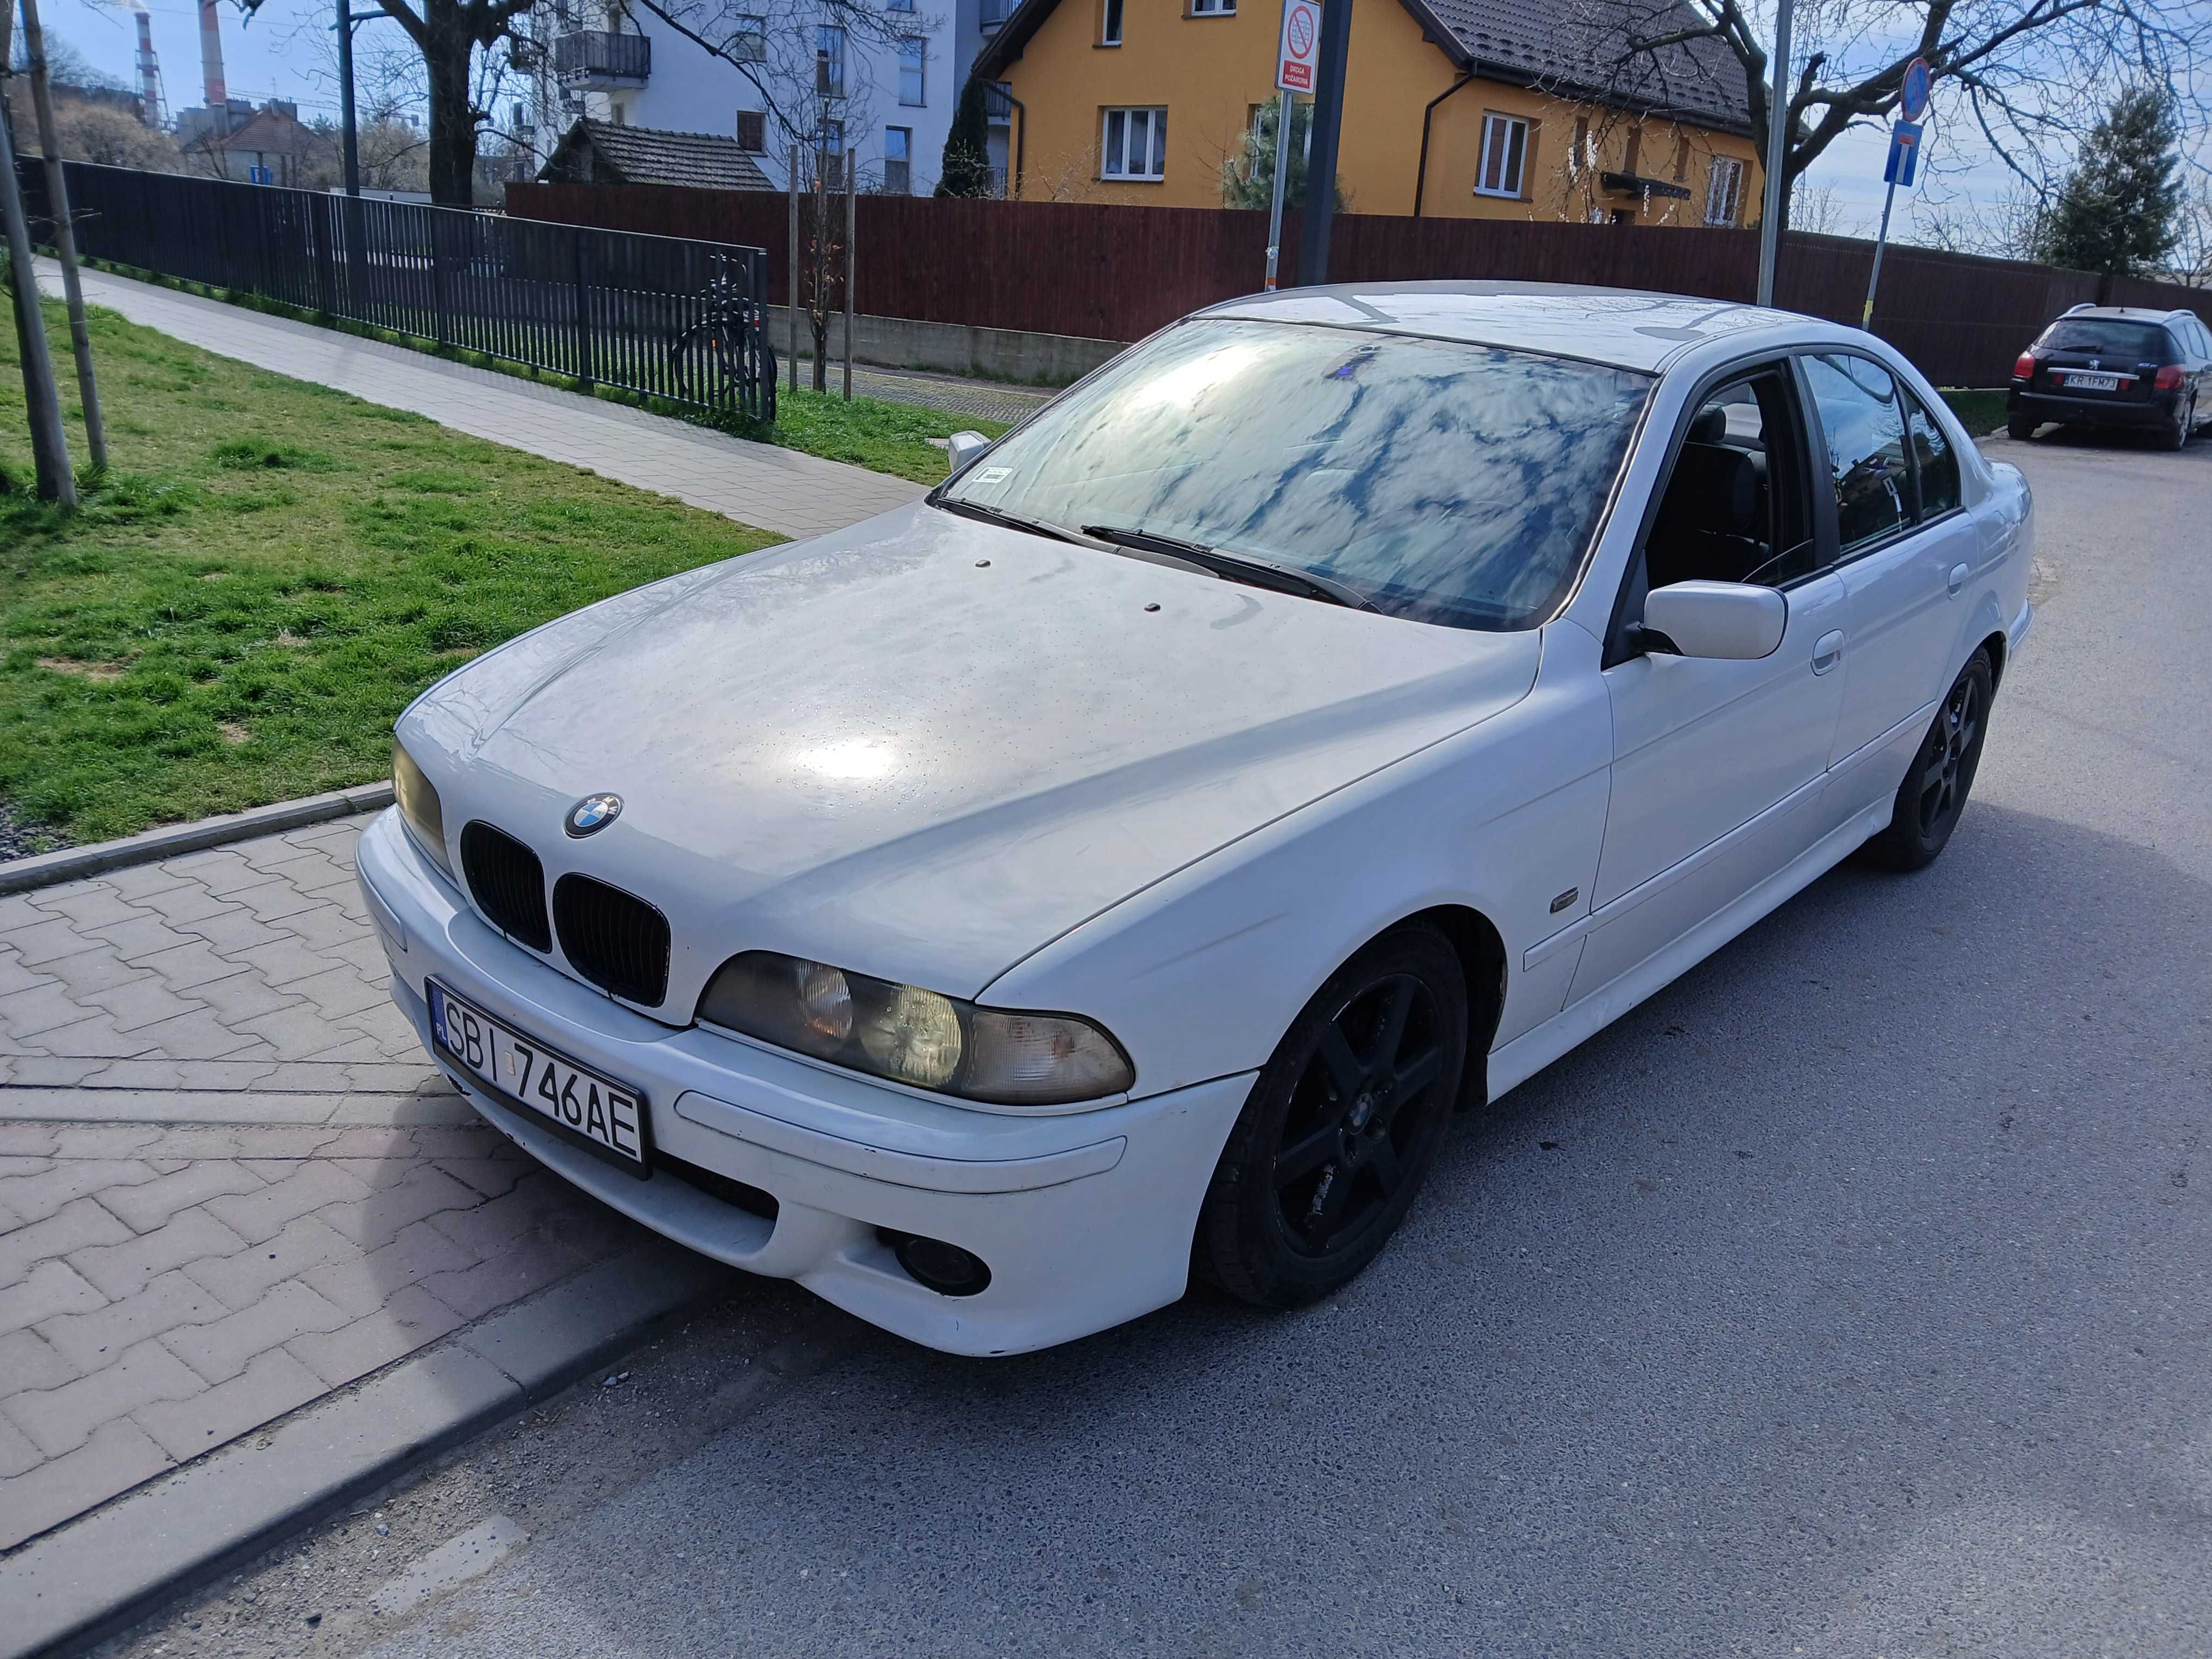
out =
column 593, row 814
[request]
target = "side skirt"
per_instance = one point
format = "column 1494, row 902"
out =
column 1528, row 1054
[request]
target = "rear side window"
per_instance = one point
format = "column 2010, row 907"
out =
column 1863, row 425
column 2136, row 342
column 1935, row 462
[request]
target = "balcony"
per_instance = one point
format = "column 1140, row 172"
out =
column 992, row 15
column 998, row 104
column 594, row 60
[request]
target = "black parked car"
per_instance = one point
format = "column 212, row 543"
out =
column 2115, row 366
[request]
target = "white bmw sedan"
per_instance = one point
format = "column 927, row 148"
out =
column 1121, row 864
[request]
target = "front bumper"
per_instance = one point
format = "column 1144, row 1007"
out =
column 2150, row 415
column 1084, row 1219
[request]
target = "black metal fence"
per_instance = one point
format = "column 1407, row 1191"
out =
column 666, row 316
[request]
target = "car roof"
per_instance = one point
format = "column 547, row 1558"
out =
column 2123, row 313
column 1625, row 328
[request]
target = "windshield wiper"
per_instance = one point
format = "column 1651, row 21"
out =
column 1007, row 520
column 1247, row 568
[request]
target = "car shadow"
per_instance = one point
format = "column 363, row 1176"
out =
column 1849, row 1292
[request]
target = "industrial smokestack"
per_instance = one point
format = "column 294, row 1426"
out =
column 149, row 76
column 218, row 96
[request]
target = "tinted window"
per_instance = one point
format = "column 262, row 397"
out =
column 1938, row 463
column 2137, row 342
column 1864, row 428
column 1448, row 482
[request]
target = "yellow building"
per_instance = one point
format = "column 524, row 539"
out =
column 1520, row 109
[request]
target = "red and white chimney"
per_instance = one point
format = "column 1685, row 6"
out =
column 149, row 74
column 211, row 55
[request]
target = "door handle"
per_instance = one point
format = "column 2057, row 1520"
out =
column 1957, row 578
column 1828, row 651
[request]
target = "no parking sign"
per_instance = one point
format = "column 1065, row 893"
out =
column 1301, row 45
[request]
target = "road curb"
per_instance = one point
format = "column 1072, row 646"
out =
column 74, row 863
column 94, row 1577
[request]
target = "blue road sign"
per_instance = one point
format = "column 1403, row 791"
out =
column 1913, row 99
column 1903, row 154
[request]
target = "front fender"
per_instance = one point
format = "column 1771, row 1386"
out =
column 1200, row 975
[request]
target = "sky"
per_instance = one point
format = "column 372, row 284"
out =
column 280, row 54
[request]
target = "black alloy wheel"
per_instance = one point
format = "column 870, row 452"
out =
column 1341, row 1127
column 1935, row 791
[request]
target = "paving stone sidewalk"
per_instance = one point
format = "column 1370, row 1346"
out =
column 759, row 484
column 230, row 1181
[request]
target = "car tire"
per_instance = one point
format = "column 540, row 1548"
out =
column 2185, row 427
column 1936, row 787
column 2021, row 427
column 1341, row 1127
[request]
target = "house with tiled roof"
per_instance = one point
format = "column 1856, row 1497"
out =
column 1523, row 109
column 605, row 153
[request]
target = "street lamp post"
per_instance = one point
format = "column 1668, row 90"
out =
column 1778, row 156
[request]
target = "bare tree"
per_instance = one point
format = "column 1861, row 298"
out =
column 461, row 46
column 2028, row 76
column 1817, row 208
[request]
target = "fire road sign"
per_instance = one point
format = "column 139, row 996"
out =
column 1301, row 45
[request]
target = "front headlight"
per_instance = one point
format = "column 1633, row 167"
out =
column 916, row 1036
column 419, row 808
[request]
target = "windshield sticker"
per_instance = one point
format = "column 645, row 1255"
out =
column 991, row 475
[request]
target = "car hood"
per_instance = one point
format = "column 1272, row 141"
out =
column 923, row 747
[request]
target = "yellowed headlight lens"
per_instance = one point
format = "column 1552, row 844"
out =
column 419, row 806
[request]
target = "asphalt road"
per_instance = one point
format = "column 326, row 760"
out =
column 1852, row 1296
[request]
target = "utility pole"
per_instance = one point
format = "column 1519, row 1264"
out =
column 1282, row 166
column 350, row 143
column 57, row 207
column 1321, row 141
column 49, row 445
column 1777, row 155
column 852, row 218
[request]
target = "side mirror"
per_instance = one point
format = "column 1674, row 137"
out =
column 1730, row 621
column 965, row 447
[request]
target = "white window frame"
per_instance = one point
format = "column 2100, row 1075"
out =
column 1111, row 23
column 829, row 60
column 1213, row 8
column 914, row 59
column 749, row 40
column 1125, row 122
column 1724, row 201
column 904, row 135
column 1511, row 132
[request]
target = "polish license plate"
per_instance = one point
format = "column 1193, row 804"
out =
column 2092, row 383
column 607, row 1116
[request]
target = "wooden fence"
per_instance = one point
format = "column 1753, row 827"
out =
column 1117, row 273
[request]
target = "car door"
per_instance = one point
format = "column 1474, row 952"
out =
column 1905, row 551
column 1718, row 766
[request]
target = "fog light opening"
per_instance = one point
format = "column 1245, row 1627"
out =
column 945, row 1268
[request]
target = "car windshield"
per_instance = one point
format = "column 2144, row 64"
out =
column 1438, row 481
column 2136, row 342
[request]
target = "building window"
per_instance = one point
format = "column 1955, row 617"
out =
column 1110, row 31
column 1583, row 154
column 1724, row 192
column 914, row 89
column 898, row 5
column 898, row 160
column 830, row 137
column 620, row 114
column 749, row 40
column 1136, row 144
column 752, row 131
column 1213, row 8
column 1504, row 156
column 829, row 62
